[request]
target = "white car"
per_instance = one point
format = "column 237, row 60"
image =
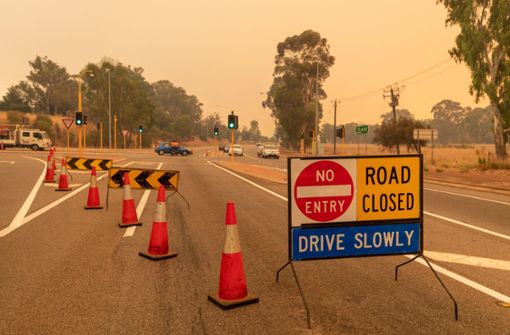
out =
column 237, row 149
column 269, row 150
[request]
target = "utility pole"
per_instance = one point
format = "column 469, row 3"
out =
column 334, row 131
column 316, row 135
column 393, row 93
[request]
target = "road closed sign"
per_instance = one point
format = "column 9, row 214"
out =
column 355, row 206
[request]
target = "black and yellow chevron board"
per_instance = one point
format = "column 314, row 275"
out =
column 77, row 163
column 144, row 178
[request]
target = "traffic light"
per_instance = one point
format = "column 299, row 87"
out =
column 98, row 125
column 233, row 121
column 340, row 132
column 78, row 118
column 140, row 128
column 85, row 119
column 310, row 133
column 216, row 131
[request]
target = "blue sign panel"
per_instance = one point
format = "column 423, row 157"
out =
column 338, row 242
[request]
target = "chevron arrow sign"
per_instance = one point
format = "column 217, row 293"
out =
column 77, row 163
column 144, row 178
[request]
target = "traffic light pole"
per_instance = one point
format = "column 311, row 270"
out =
column 101, row 134
column 140, row 141
column 233, row 134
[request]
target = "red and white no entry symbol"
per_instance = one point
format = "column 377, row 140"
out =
column 323, row 191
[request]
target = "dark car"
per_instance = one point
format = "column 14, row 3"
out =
column 166, row 148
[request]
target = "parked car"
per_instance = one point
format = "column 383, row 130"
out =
column 221, row 146
column 169, row 149
column 270, row 150
column 237, row 149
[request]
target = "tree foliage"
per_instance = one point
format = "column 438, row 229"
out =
column 53, row 87
column 390, row 134
column 20, row 97
column 484, row 45
column 302, row 65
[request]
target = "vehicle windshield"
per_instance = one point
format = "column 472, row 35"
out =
column 238, row 146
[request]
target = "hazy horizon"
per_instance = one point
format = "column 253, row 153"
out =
column 223, row 51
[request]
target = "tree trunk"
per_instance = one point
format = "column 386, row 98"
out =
column 499, row 139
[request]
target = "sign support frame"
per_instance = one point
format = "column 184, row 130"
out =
column 290, row 260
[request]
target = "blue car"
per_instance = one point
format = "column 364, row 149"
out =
column 168, row 149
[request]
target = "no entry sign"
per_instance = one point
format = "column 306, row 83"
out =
column 324, row 191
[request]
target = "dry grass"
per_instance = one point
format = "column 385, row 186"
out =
column 480, row 156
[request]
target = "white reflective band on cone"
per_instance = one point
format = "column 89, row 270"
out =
column 232, row 244
column 127, row 192
column 160, row 214
column 93, row 182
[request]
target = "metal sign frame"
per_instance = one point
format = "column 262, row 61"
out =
column 355, row 224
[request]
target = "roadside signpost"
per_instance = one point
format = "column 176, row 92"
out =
column 67, row 123
column 343, row 207
column 362, row 130
column 426, row 134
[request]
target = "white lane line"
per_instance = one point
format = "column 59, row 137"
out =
column 46, row 208
column 483, row 262
column 464, row 280
column 457, row 277
column 130, row 231
column 469, row 196
column 7, row 162
column 248, row 181
column 18, row 219
column 467, row 225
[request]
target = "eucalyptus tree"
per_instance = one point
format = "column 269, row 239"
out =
column 484, row 45
column 302, row 65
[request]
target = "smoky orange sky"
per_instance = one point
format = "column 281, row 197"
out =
column 223, row 51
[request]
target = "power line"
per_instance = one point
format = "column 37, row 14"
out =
column 378, row 91
column 432, row 75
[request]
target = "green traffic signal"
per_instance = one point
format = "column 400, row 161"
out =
column 78, row 118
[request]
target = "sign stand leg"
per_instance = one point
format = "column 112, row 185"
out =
column 435, row 273
column 300, row 290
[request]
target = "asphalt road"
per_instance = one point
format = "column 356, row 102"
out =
column 64, row 270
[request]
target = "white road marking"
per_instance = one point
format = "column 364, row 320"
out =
column 130, row 231
column 56, row 185
column 248, row 181
column 483, row 262
column 464, row 280
column 467, row 225
column 437, row 268
column 7, row 162
column 469, row 196
column 16, row 223
column 18, row 219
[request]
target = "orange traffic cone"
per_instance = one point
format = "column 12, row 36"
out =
column 63, row 184
column 158, row 244
column 50, row 172
column 129, row 216
column 93, row 197
column 233, row 291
